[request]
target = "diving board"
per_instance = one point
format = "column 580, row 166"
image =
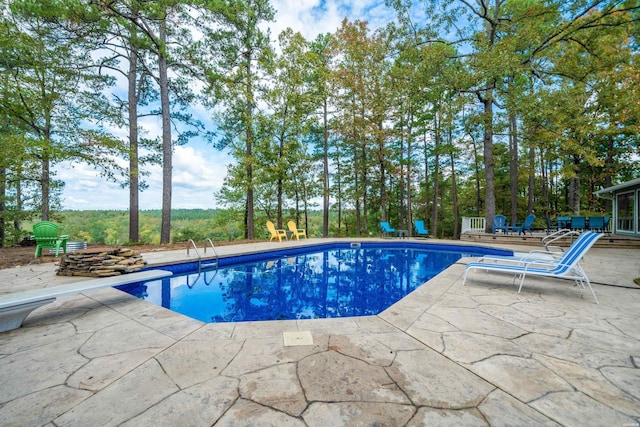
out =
column 15, row 307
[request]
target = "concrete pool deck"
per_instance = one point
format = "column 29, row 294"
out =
column 478, row 355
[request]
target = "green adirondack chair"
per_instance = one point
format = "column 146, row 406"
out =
column 47, row 236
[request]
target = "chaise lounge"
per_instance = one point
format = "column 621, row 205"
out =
column 566, row 267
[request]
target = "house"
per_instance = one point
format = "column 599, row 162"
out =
column 626, row 206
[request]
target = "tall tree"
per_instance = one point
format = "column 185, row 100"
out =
column 56, row 91
column 234, row 49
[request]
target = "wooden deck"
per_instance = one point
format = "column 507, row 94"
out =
column 608, row 241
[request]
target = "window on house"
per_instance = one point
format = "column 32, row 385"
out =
column 626, row 203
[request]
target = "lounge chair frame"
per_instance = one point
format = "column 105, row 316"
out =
column 566, row 267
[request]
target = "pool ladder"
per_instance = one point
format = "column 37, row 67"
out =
column 191, row 243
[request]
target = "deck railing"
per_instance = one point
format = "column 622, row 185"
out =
column 472, row 225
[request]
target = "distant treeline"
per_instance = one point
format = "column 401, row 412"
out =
column 112, row 226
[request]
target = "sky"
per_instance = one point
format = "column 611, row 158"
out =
column 198, row 168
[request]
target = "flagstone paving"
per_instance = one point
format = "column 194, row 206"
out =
column 446, row 355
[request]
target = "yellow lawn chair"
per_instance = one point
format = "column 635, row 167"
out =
column 297, row 232
column 275, row 233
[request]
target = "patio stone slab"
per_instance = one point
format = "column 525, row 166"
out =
column 572, row 351
column 129, row 396
column 627, row 379
column 430, row 379
column 192, row 362
column 48, row 367
column 447, row 418
column 592, row 382
column 510, row 373
column 247, row 413
column 123, row 337
column 501, row 409
column 102, row 371
column 257, row 354
column 525, row 321
column 345, row 378
column 475, row 321
column 200, row 405
column 277, row 387
column 30, row 338
column 354, row 414
column 605, row 340
column 577, row 409
column 468, row 347
column 41, row 407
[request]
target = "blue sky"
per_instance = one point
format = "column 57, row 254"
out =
column 198, row 168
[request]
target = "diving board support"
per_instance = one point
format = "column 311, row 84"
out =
column 15, row 307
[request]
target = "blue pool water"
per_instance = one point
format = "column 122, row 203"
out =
column 304, row 283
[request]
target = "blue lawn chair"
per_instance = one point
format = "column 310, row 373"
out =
column 525, row 226
column 386, row 228
column 563, row 222
column 567, row 267
column 578, row 223
column 420, row 229
column 596, row 223
column 550, row 226
column 500, row 223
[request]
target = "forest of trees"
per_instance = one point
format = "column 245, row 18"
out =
column 456, row 108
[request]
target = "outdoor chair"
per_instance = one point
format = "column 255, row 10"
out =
column 563, row 221
column 47, row 235
column 500, row 223
column 420, row 229
column 578, row 223
column 295, row 231
column 596, row 223
column 525, row 226
column 386, row 228
column 566, row 267
column 276, row 233
column 550, row 226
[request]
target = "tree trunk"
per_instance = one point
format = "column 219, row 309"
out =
column 513, row 166
column 134, row 174
column 280, row 182
column 454, row 192
column 436, row 176
column 574, row 187
column 249, row 206
column 532, row 182
column 489, row 165
column 3, row 207
column 325, row 172
column 167, row 147
column 409, row 192
column 45, row 186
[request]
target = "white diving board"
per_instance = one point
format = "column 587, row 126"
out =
column 15, row 307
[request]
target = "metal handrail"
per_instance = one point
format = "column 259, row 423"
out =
column 197, row 252
column 212, row 247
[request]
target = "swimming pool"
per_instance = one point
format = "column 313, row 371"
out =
column 321, row 281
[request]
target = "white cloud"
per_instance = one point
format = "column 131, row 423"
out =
column 197, row 174
column 313, row 17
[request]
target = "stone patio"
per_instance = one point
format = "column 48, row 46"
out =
column 478, row 355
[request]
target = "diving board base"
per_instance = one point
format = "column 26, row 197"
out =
column 12, row 317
